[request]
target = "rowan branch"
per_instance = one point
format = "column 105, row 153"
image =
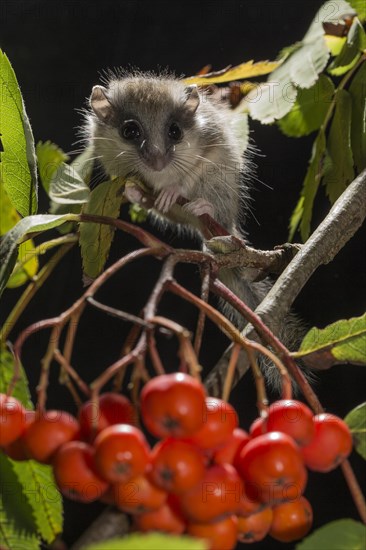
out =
column 339, row 226
column 231, row 251
column 344, row 219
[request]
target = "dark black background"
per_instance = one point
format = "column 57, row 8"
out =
column 58, row 49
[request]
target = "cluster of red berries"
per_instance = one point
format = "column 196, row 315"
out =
column 205, row 476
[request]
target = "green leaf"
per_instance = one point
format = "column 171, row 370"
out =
column 17, row 526
column 272, row 100
column 309, row 110
column 343, row 534
column 21, row 390
column 357, row 91
column 295, row 219
column 351, row 51
column 341, row 342
column 68, row 190
column 84, row 163
column 38, row 485
column 137, row 213
column 18, row 161
column 32, row 162
column 30, row 482
column 30, row 504
column 9, row 243
column 303, row 63
column 360, row 7
column 339, row 172
column 67, row 187
column 306, row 64
column 49, row 157
column 153, row 541
column 356, row 421
column 96, row 239
column 304, row 209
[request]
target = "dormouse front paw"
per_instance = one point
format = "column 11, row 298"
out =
column 133, row 194
column 166, row 198
column 199, row 207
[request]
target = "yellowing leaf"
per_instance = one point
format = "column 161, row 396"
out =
column 247, row 87
column 26, row 267
column 244, row 70
column 334, row 43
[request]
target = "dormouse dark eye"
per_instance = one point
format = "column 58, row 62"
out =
column 175, row 131
column 131, row 130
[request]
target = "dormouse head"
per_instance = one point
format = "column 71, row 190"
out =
column 152, row 119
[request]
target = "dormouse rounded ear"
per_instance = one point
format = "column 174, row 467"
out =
column 192, row 98
column 100, row 103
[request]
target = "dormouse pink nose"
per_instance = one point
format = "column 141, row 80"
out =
column 156, row 158
column 158, row 161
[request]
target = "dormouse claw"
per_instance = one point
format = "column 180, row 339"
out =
column 166, row 198
column 200, row 207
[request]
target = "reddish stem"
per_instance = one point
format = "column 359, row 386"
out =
column 354, row 489
column 205, row 289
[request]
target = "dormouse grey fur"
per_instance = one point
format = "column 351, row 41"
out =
column 180, row 142
column 173, row 137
